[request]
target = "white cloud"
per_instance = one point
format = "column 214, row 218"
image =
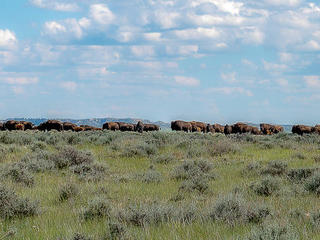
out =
column 290, row 3
column 197, row 33
column 229, row 77
column 18, row 90
column 230, row 90
column 282, row 82
column 54, row 5
column 274, row 66
column 21, row 80
column 143, row 51
column 311, row 45
column 312, row 81
column 7, row 38
column 54, row 28
column 227, row 6
column 154, row 36
column 101, row 14
column 69, row 86
column 167, row 19
column 186, row 81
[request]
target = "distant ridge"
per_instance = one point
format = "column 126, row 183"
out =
column 95, row 122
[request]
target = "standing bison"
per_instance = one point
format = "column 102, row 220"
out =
column 90, row 128
column 210, row 129
column 316, row 129
column 140, row 127
column 268, row 129
column 181, row 126
column 51, row 125
column 113, row 126
column 150, row 127
column 218, row 128
column 13, row 125
column 126, row 127
column 227, row 129
column 68, row 126
column 198, row 127
column 301, row 129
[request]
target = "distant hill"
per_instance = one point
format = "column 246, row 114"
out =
column 95, row 122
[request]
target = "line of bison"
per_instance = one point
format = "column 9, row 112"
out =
column 237, row 128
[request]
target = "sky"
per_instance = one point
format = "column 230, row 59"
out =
column 208, row 60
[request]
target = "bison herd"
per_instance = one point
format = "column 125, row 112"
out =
column 49, row 125
column 237, row 128
column 240, row 128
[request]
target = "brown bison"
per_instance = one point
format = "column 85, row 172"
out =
column 78, row 129
column 126, row 127
column 198, row 127
column 90, row 128
column 111, row 126
column 241, row 128
column 227, row 129
column 51, row 125
column 181, row 126
column 316, row 129
column 301, row 129
column 268, row 129
column 255, row 131
column 12, row 125
column 140, row 127
column 218, row 128
column 150, row 127
column 27, row 125
column 68, row 126
column 210, row 129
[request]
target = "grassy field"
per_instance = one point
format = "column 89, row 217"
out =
column 163, row 185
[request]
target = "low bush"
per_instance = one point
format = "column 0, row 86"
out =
column 150, row 176
column 300, row 174
column 233, row 209
column 222, row 147
column 273, row 231
column 79, row 236
column 191, row 168
column 19, row 173
column 275, row 168
column 97, row 208
column 266, row 187
column 117, row 231
column 312, row 184
column 163, row 158
column 252, row 169
column 139, row 150
column 68, row 191
column 12, row 206
column 197, row 183
column 38, row 161
column 90, row 172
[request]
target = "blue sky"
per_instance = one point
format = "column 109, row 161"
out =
column 208, row 60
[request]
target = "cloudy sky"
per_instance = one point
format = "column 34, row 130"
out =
column 209, row 60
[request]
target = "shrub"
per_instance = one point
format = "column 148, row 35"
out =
column 13, row 206
column 67, row 191
column 299, row 156
column 191, row 168
column 69, row 156
column 150, row 176
column 38, row 162
column 90, row 172
column 233, row 209
column 79, row 236
column 19, row 173
column 143, row 214
column 38, row 146
column 117, row 231
column 275, row 168
column 163, row 158
column 313, row 183
column 300, row 174
column 252, row 169
column 139, row 150
column 315, row 219
column 197, row 183
column 273, row 231
column 266, row 186
column 222, row 147
column 97, row 208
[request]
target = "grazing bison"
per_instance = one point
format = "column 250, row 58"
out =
column 51, row 125
column 269, row 129
column 68, row 126
column 316, row 129
column 181, row 126
column 210, row 129
column 78, row 129
column 301, row 129
column 227, row 129
column 140, row 127
column 255, row 131
column 241, row 128
column 11, row 125
column 1, row 126
column 150, row 127
column 126, row 127
column 90, row 128
column 111, row 126
column 27, row 125
column 218, row 128
column 198, row 127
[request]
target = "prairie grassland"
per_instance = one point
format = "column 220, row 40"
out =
column 163, row 185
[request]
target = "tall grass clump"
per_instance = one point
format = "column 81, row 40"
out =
column 19, row 173
column 266, row 186
column 13, row 206
column 275, row 168
column 97, row 208
column 150, row 176
column 68, row 191
column 300, row 174
column 192, row 168
column 312, row 184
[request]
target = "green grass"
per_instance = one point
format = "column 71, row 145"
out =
column 122, row 188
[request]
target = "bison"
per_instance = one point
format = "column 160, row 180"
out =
column 140, row 127
column 210, row 129
column 181, row 126
column 218, row 128
column 150, row 127
column 68, row 126
column 268, row 129
column 51, row 125
column 227, row 129
column 198, row 127
column 90, row 128
column 11, row 125
column 111, row 126
column 27, row 125
column 316, row 129
column 1, row 126
column 241, row 128
column 126, row 127
column 255, row 131
column 78, row 129
column 301, row 129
